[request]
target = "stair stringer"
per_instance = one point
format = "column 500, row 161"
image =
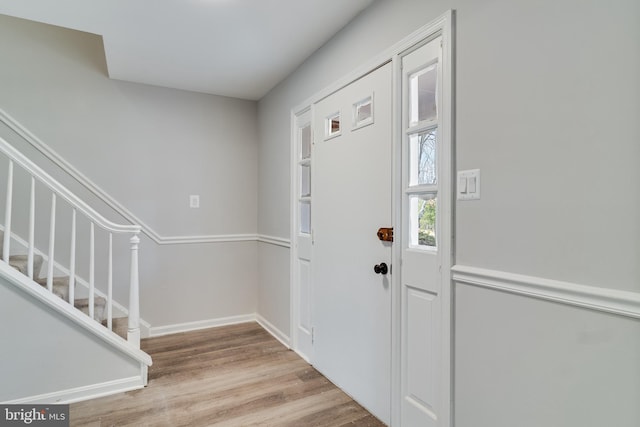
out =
column 53, row 353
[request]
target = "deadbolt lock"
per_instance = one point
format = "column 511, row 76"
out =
column 385, row 234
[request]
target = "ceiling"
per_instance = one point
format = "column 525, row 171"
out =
column 236, row 48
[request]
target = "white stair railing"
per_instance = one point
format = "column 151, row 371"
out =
column 78, row 206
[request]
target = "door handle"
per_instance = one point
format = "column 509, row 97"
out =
column 381, row 268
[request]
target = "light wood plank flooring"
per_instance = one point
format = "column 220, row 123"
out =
column 235, row 375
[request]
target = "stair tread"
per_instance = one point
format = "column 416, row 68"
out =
column 61, row 280
column 19, row 262
column 99, row 304
column 60, row 286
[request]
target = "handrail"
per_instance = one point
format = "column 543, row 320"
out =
column 95, row 218
column 42, row 176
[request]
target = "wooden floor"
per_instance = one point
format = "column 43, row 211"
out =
column 235, row 375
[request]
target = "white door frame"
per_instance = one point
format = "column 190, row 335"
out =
column 444, row 26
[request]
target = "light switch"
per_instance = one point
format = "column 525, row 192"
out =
column 469, row 184
column 462, row 185
column 472, row 184
column 194, row 201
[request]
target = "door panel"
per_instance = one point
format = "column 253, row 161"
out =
column 302, row 294
column 351, row 187
column 423, row 171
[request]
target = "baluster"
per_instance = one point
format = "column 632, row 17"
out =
column 110, row 285
column 133, row 334
column 92, row 272
column 7, row 215
column 52, row 238
column 32, row 222
column 72, row 259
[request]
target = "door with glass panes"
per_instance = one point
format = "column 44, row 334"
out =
column 425, row 238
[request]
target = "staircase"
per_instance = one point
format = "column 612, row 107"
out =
column 61, row 290
column 56, row 293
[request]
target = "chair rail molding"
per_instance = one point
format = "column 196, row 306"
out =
column 83, row 180
column 623, row 303
column 273, row 240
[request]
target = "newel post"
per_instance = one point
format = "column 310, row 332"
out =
column 133, row 334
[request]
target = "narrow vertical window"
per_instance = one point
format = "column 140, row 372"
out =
column 303, row 172
column 420, row 119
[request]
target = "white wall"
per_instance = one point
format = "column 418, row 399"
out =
column 528, row 363
column 149, row 148
column 273, row 304
column 547, row 100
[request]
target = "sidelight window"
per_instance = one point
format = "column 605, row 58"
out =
column 421, row 154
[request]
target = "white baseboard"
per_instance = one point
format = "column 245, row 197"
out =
column 83, row 393
column 145, row 328
column 614, row 301
column 157, row 331
column 277, row 333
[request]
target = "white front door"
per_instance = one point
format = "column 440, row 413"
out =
column 351, row 187
column 426, row 239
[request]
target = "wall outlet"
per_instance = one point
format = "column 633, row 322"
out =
column 194, row 201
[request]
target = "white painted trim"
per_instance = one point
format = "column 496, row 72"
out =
column 157, row 331
column 396, row 250
column 273, row 240
column 277, row 333
column 36, row 291
column 83, row 393
column 60, row 162
column 623, row 303
column 218, row 238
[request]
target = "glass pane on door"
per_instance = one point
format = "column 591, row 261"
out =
column 422, row 154
column 423, row 210
column 422, row 95
column 305, row 181
column 305, row 141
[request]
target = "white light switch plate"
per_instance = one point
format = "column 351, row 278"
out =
column 468, row 185
column 194, row 201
